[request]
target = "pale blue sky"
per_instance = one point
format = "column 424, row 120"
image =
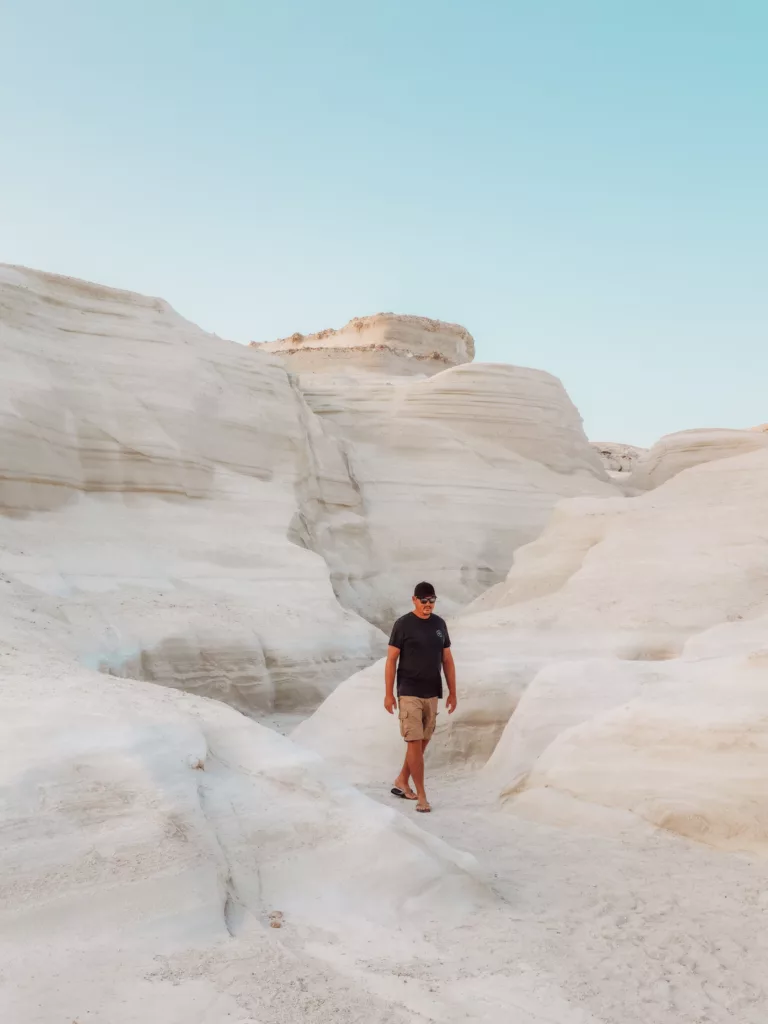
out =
column 582, row 183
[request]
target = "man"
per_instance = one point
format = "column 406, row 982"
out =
column 418, row 649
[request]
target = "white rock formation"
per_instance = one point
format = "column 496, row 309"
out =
column 676, row 452
column 198, row 513
column 651, row 696
column 666, row 716
column 618, row 459
column 150, row 838
column 152, row 477
column 454, row 470
column 385, row 343
column 152, row 841
column 630, row 642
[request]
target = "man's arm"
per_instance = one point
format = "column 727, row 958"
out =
column 393, row 653
column 450, row 677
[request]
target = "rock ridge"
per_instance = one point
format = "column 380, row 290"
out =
column 384, row 342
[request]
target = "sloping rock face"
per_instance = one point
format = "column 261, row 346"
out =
column 676, row 452
column 385, row 343
column 667, row 716
column 454, row 470
column 618, row 459
column 621, row 667
column 214, row 522
column 150, row 477
column 150, row 838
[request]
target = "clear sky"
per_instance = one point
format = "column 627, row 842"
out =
column 581, row 183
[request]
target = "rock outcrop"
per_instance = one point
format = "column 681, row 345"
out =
column 455, row 470
column 151, row 839
column 151, row 477
column 623, row 665
column 676, row 452
column 618, row 459
column 199, row 510
column 182, row 510
column 384, row 343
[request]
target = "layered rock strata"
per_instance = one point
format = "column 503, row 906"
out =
column 385, row 343
column 151, row 477
column 152, row 841
column 455, row 469
column 619, row 460
column 676, row 452
column 201, row 510
column 621, row 667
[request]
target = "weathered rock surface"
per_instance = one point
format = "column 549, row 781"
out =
column 151, row 477
column 201, row 509
column 384, row 343
column 618, row 459
column 676, row 452
column 174, row 507
column 454, row 472
column 623, row 665
column 148, row 835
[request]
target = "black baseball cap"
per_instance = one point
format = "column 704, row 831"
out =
column 422, row 590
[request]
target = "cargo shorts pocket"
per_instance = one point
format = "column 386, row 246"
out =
column 411, row 725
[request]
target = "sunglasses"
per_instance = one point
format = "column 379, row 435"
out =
column 426, row 600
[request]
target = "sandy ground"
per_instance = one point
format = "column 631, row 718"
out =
column 615, row 923
column 644, row 928
column 591, row 927
column 581, row 927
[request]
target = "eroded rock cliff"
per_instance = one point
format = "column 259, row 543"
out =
column 198, row 511
column 385, row 343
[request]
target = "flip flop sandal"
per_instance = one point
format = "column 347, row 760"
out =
column 397, row 792
column 424, row 810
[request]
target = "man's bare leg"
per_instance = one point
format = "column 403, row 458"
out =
column 403, row 780
column 415, row 758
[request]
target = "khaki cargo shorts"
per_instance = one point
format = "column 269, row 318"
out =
column 418, row 716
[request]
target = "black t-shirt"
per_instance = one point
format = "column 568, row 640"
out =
column 421, row 643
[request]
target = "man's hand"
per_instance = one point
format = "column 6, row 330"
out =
column 450, row 677
column 390, row 666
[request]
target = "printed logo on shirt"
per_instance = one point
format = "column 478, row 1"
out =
column 439, row 633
